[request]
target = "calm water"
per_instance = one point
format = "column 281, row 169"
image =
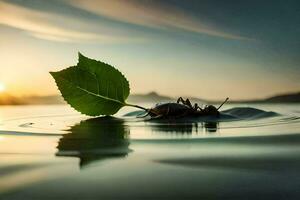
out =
column 52, row 152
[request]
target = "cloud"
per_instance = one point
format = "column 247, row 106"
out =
column 151, row 15
column 56, row 27
column 61, row 27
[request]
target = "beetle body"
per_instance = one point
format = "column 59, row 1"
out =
column 170, row 110
column 183, row 108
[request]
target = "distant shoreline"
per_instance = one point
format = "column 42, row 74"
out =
column 151, row 97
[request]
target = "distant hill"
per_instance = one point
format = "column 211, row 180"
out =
column 283, row 98
column 148, row 98
column 289, row 98
column 152, row 97
column 52, row 99
column 7, row 99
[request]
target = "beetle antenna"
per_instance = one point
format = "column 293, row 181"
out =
column 223, row 103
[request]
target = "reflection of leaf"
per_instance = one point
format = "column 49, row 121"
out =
column 93, row 87
column 96, row 139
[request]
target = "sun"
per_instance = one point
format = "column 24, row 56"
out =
column 2, row 87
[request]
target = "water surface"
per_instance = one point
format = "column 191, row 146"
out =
column 52, row 152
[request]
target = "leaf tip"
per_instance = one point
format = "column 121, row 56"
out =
column 53, row 74
column 80, row 56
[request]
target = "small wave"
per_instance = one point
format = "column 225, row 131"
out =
column 29, row 124
column 285, row 139
column 20, row 133
column 252, row 120
column 249, row 113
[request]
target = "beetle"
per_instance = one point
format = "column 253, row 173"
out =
column 183, row 108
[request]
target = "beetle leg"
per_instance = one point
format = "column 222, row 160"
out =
column 196, row 107
column 188, row 103
column 180, row 100
column 185, row 102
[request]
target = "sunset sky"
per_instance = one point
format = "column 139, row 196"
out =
column 207, row 48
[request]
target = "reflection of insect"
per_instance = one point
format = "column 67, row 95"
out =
column 183, row 108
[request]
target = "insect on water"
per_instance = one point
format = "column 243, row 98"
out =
column 183, row 108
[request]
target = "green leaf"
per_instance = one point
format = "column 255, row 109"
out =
column 93, row 87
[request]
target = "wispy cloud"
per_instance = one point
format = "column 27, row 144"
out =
column 75, row 28
column 151, row 15
column 50, row 26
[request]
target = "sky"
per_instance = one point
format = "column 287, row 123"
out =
column 204, row 48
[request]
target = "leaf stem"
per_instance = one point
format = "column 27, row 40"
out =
column 136, row 106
